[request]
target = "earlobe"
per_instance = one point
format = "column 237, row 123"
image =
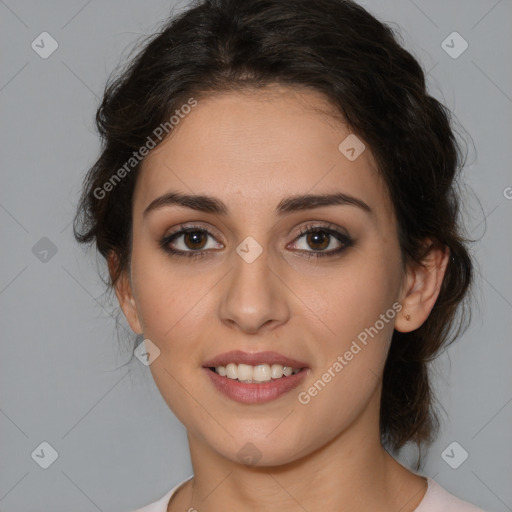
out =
column 421, row 288
column 123, row 290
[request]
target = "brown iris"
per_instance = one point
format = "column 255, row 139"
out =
column 318, row 237
column 197, row 239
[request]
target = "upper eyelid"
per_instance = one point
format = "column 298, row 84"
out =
column 340, row 236
column 326, row 227
column 184, row 229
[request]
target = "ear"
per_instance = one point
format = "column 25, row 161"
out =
column 124, row 293
column 421, row 288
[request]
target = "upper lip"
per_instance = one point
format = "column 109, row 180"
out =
column 253, row 359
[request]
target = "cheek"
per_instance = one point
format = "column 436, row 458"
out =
column 167, row 299
column 353, row 295
column 170, row 310
column 353, row 341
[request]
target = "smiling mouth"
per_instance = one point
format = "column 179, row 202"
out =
column 257, row 374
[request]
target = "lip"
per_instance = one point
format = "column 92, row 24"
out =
column 255, row 393
column 253, row 359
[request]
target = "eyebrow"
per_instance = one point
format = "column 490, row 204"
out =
column 208, row 204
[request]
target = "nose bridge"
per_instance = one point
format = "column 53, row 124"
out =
column 253, row 295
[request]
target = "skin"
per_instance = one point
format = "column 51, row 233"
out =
column 251, row 150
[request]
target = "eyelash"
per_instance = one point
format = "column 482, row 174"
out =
column 199, row 254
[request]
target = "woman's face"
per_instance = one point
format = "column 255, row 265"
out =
column 258, row 283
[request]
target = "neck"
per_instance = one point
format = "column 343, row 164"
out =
column 352, row 472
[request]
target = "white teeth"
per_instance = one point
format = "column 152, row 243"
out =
column 287, row 371
column 244, row 372
column 231, row 371
column 261, row 373
column 277, row 371
column 258, row 373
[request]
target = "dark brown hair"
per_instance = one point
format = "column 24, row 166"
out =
column 337, row 48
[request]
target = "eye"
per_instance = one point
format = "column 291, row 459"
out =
column 190, row 241
column 323, row 240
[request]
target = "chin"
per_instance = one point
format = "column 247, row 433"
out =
column 263, row 450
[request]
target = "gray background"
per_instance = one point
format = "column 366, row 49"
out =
column 62, row 373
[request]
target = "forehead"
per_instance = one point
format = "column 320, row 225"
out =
column 253, row 148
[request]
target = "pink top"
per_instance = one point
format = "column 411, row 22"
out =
column 436, row 499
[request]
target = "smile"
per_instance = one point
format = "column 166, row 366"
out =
column 260, row 373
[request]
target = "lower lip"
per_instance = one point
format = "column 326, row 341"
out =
column 255, row 393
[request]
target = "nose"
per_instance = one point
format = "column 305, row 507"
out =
column 254, row 296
